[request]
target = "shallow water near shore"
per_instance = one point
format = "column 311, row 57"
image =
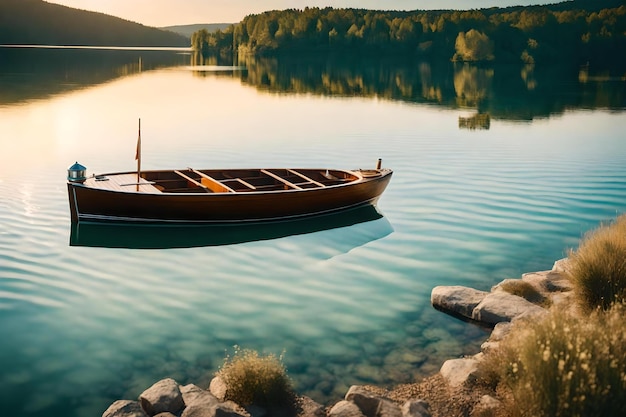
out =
column 84, row 326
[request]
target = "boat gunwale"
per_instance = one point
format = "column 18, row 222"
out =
column 361, row 178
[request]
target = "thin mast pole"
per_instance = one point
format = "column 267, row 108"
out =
column 138, row 156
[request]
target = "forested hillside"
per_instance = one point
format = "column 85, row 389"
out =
column 38, row 22
column 579, row 31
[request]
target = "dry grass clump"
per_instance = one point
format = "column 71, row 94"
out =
column 598, row 268
column 525, row 290
column 564, row 365
column 254, row 379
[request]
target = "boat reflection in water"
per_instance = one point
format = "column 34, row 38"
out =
column 144, row 236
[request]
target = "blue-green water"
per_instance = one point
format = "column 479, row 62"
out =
column 84, row 326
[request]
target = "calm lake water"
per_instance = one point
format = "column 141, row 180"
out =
column 83, row 326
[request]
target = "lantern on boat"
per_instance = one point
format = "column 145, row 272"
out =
column 76, row 173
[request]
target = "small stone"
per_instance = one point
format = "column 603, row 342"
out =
column 218, row 388
column 485, row 404
column 220, row 410
column 345, row 409
column 500, row 331
column 367, row 402
column 415, row 408
column 488, row 347
column 125, row 408
column 311, row 408
column 194, row 395
column 163, row 396
column 457, row 372
column 388, row 408
column 198, row 411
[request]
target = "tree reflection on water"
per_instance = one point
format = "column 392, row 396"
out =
column 507, row 92
column 512, row 92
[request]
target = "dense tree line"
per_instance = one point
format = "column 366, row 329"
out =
column 579, row 31
column 38, row 22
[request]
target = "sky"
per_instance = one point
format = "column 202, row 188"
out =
column 183, row 12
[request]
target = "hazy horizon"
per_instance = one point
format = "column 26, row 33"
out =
column 185, row 12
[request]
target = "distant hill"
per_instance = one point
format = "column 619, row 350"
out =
column 26, row 22
column 188, row 30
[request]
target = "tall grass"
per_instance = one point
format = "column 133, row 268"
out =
column 565, row 366
column 598, row 267
column 254, row 379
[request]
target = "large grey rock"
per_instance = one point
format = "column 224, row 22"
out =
column 345, row 409
column 218, row 388
column 416, row 408
column 457, row 372
column 501, row 306
column 124, row 408
column 163, row 396
column 194, row 395
column 456, row 299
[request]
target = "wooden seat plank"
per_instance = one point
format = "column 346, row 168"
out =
column 247, row 184
column 214, row 184
column 304, row 177
column 191, row 180
column 279, row 178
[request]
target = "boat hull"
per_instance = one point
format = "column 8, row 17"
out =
column 101, row 205
column 167, row 236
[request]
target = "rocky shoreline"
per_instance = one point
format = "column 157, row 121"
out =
column 454, row 390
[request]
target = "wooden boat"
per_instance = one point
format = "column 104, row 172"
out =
column 220, row 195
